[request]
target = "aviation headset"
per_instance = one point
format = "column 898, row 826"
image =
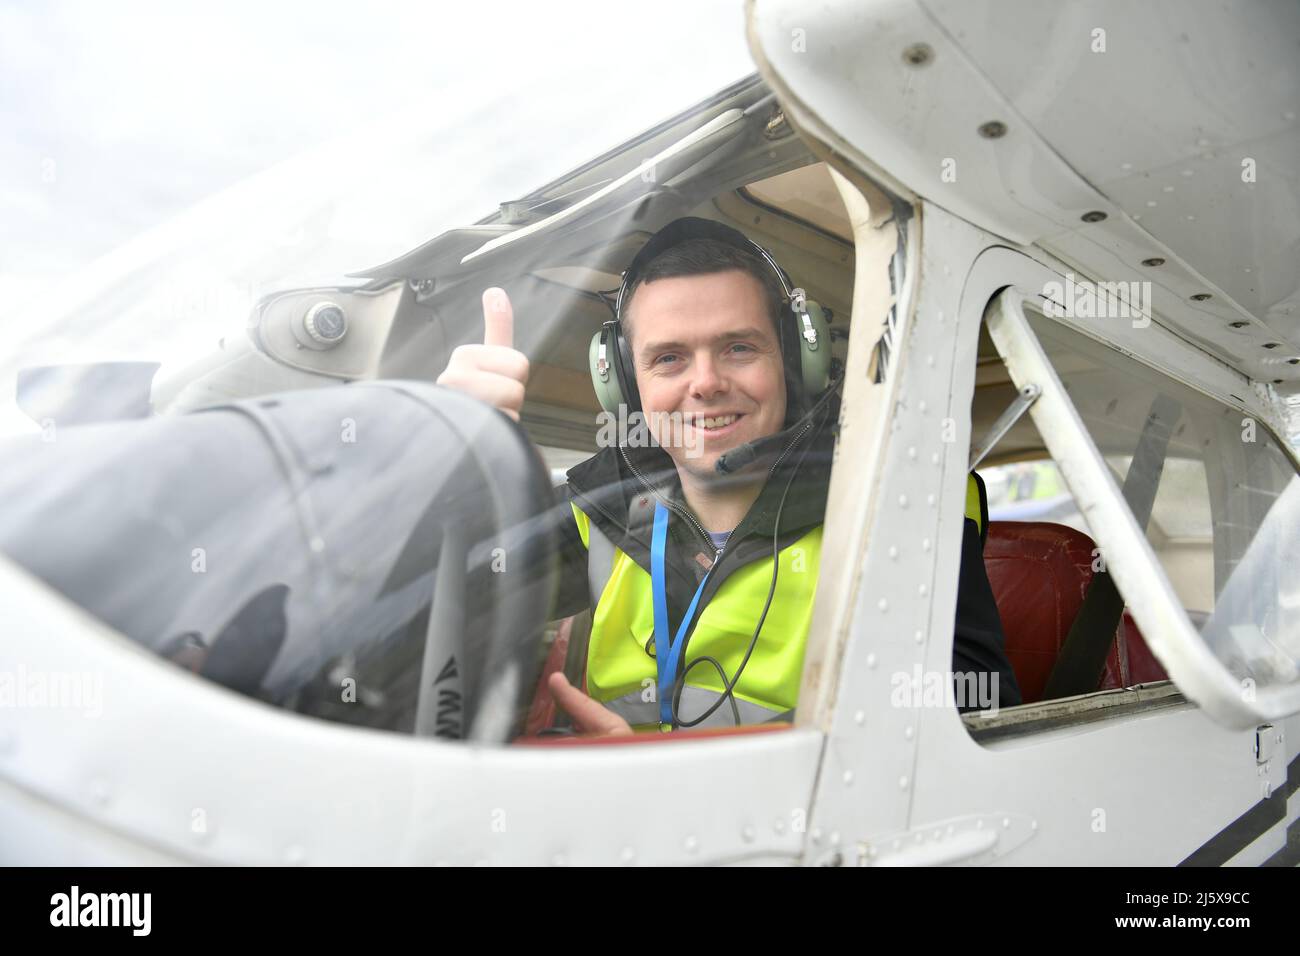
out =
column 805, row 342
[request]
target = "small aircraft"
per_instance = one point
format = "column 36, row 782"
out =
column 256, row 617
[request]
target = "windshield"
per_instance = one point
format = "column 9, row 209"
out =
column 294, row 548
column 155, row 191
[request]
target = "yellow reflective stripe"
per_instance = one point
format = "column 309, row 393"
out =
column 584, row 524
column 973, row 510
column 618, row 665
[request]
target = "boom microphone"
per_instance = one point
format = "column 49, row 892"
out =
column 743, row 456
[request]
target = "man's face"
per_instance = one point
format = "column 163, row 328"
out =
column 708, row 365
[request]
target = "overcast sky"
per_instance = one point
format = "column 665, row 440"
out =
column 163, row 164
column 119, row 115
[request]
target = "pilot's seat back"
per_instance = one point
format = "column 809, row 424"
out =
column 1040, row 573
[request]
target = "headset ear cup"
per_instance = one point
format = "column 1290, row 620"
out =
column 627, row 372
column 606, row 382
column 815, row 357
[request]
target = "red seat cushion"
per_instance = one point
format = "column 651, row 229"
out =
column 542, row 712
column 1040, row 572
column 1138, row 664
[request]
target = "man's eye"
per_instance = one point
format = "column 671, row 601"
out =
column 742, row 346
column 664, row 358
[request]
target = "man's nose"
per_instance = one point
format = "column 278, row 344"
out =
column 707, row 379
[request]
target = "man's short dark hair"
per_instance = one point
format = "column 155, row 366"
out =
column 698, row 257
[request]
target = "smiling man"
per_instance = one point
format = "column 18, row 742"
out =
column 708, row 365
column 701, row 578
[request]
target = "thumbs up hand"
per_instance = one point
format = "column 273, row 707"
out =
column 493, row 372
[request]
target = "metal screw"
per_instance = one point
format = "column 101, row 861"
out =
column 1201, row 297
column 1154, row 261
column 918, row 54
column 1095, row 216
column 994, row 129
column 777, row 126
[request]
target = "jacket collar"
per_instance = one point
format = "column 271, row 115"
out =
column 620, row 486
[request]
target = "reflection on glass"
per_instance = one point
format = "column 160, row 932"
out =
column 1216, row 496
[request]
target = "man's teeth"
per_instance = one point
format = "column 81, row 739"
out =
column 720, row 422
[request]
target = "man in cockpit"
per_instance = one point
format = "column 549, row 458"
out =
column 701, row 577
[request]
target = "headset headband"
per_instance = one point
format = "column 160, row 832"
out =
column 692, row 227
column 805, row 343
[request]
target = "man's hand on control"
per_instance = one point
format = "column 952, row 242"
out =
column 589, row 716
column 493, row 372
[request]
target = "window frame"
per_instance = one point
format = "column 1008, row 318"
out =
column 1141, row 580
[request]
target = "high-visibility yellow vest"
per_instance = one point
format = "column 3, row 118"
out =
column 621, row 671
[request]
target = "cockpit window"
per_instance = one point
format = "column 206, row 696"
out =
column 1214, row 491
column 1218, row 474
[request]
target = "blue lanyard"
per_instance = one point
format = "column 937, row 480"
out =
column 668, row 652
